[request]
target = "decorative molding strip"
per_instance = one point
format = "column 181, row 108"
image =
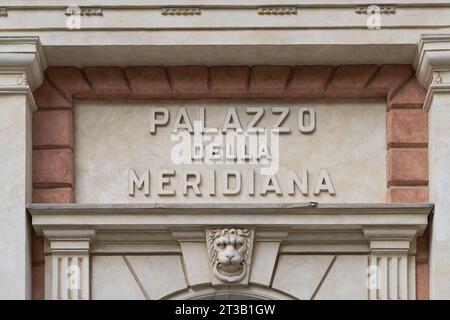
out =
column 437, row 78
column 3, row 12
column 277, row 11
column 373, row 9
column 84, row 11
column 181, row 11
column 22, row 81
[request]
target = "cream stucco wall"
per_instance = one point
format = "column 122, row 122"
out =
column 15, row 180
column 439, row 193
column 112, row 137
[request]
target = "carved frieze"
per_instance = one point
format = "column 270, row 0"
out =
column 22, row 81
column 437, row 78
column 84, row 11
column 277, row 11
column 373, row 9
column 186, row 11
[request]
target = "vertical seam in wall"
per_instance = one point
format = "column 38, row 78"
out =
column 372, row 76
column 208, row 80
column 90, row 260
column 169, row 80
column 275, row 266
column 183, row 266
column 86, row 79
column 144, row 292
column 60, row 92
column 330, row 79
column 388, row 278
column 400, row 89
column 58, row 280
column 368, row 275
column 289, row 78
column 398, row 277
column 394, row 92
column 324, row 277
column 249, row 78
column 127, row 81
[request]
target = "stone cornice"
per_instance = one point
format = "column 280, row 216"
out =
column 297, row 216
column 433, row 56
column 433, row 64
column 140, row 15
column 160, row 227
column 23, row 54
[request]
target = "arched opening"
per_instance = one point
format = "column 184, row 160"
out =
column 250, row 292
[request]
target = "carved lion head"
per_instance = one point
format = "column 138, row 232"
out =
column 228, row 252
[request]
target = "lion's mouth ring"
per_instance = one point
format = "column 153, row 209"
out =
column 230, row 267
column 228, row 274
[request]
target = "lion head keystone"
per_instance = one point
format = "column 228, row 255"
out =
column 229, row 252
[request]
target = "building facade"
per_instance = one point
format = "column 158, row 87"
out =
column 224, row 149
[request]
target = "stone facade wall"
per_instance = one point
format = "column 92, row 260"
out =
column 407, row 124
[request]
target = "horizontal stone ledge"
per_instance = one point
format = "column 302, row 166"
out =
column 303, row 207
column 301, row 216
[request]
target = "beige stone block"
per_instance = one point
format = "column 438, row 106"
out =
column 346, row 280
column 300, row 276
column 159, row 275
column 112, row 279
column 196, row 262
column 263, row 262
